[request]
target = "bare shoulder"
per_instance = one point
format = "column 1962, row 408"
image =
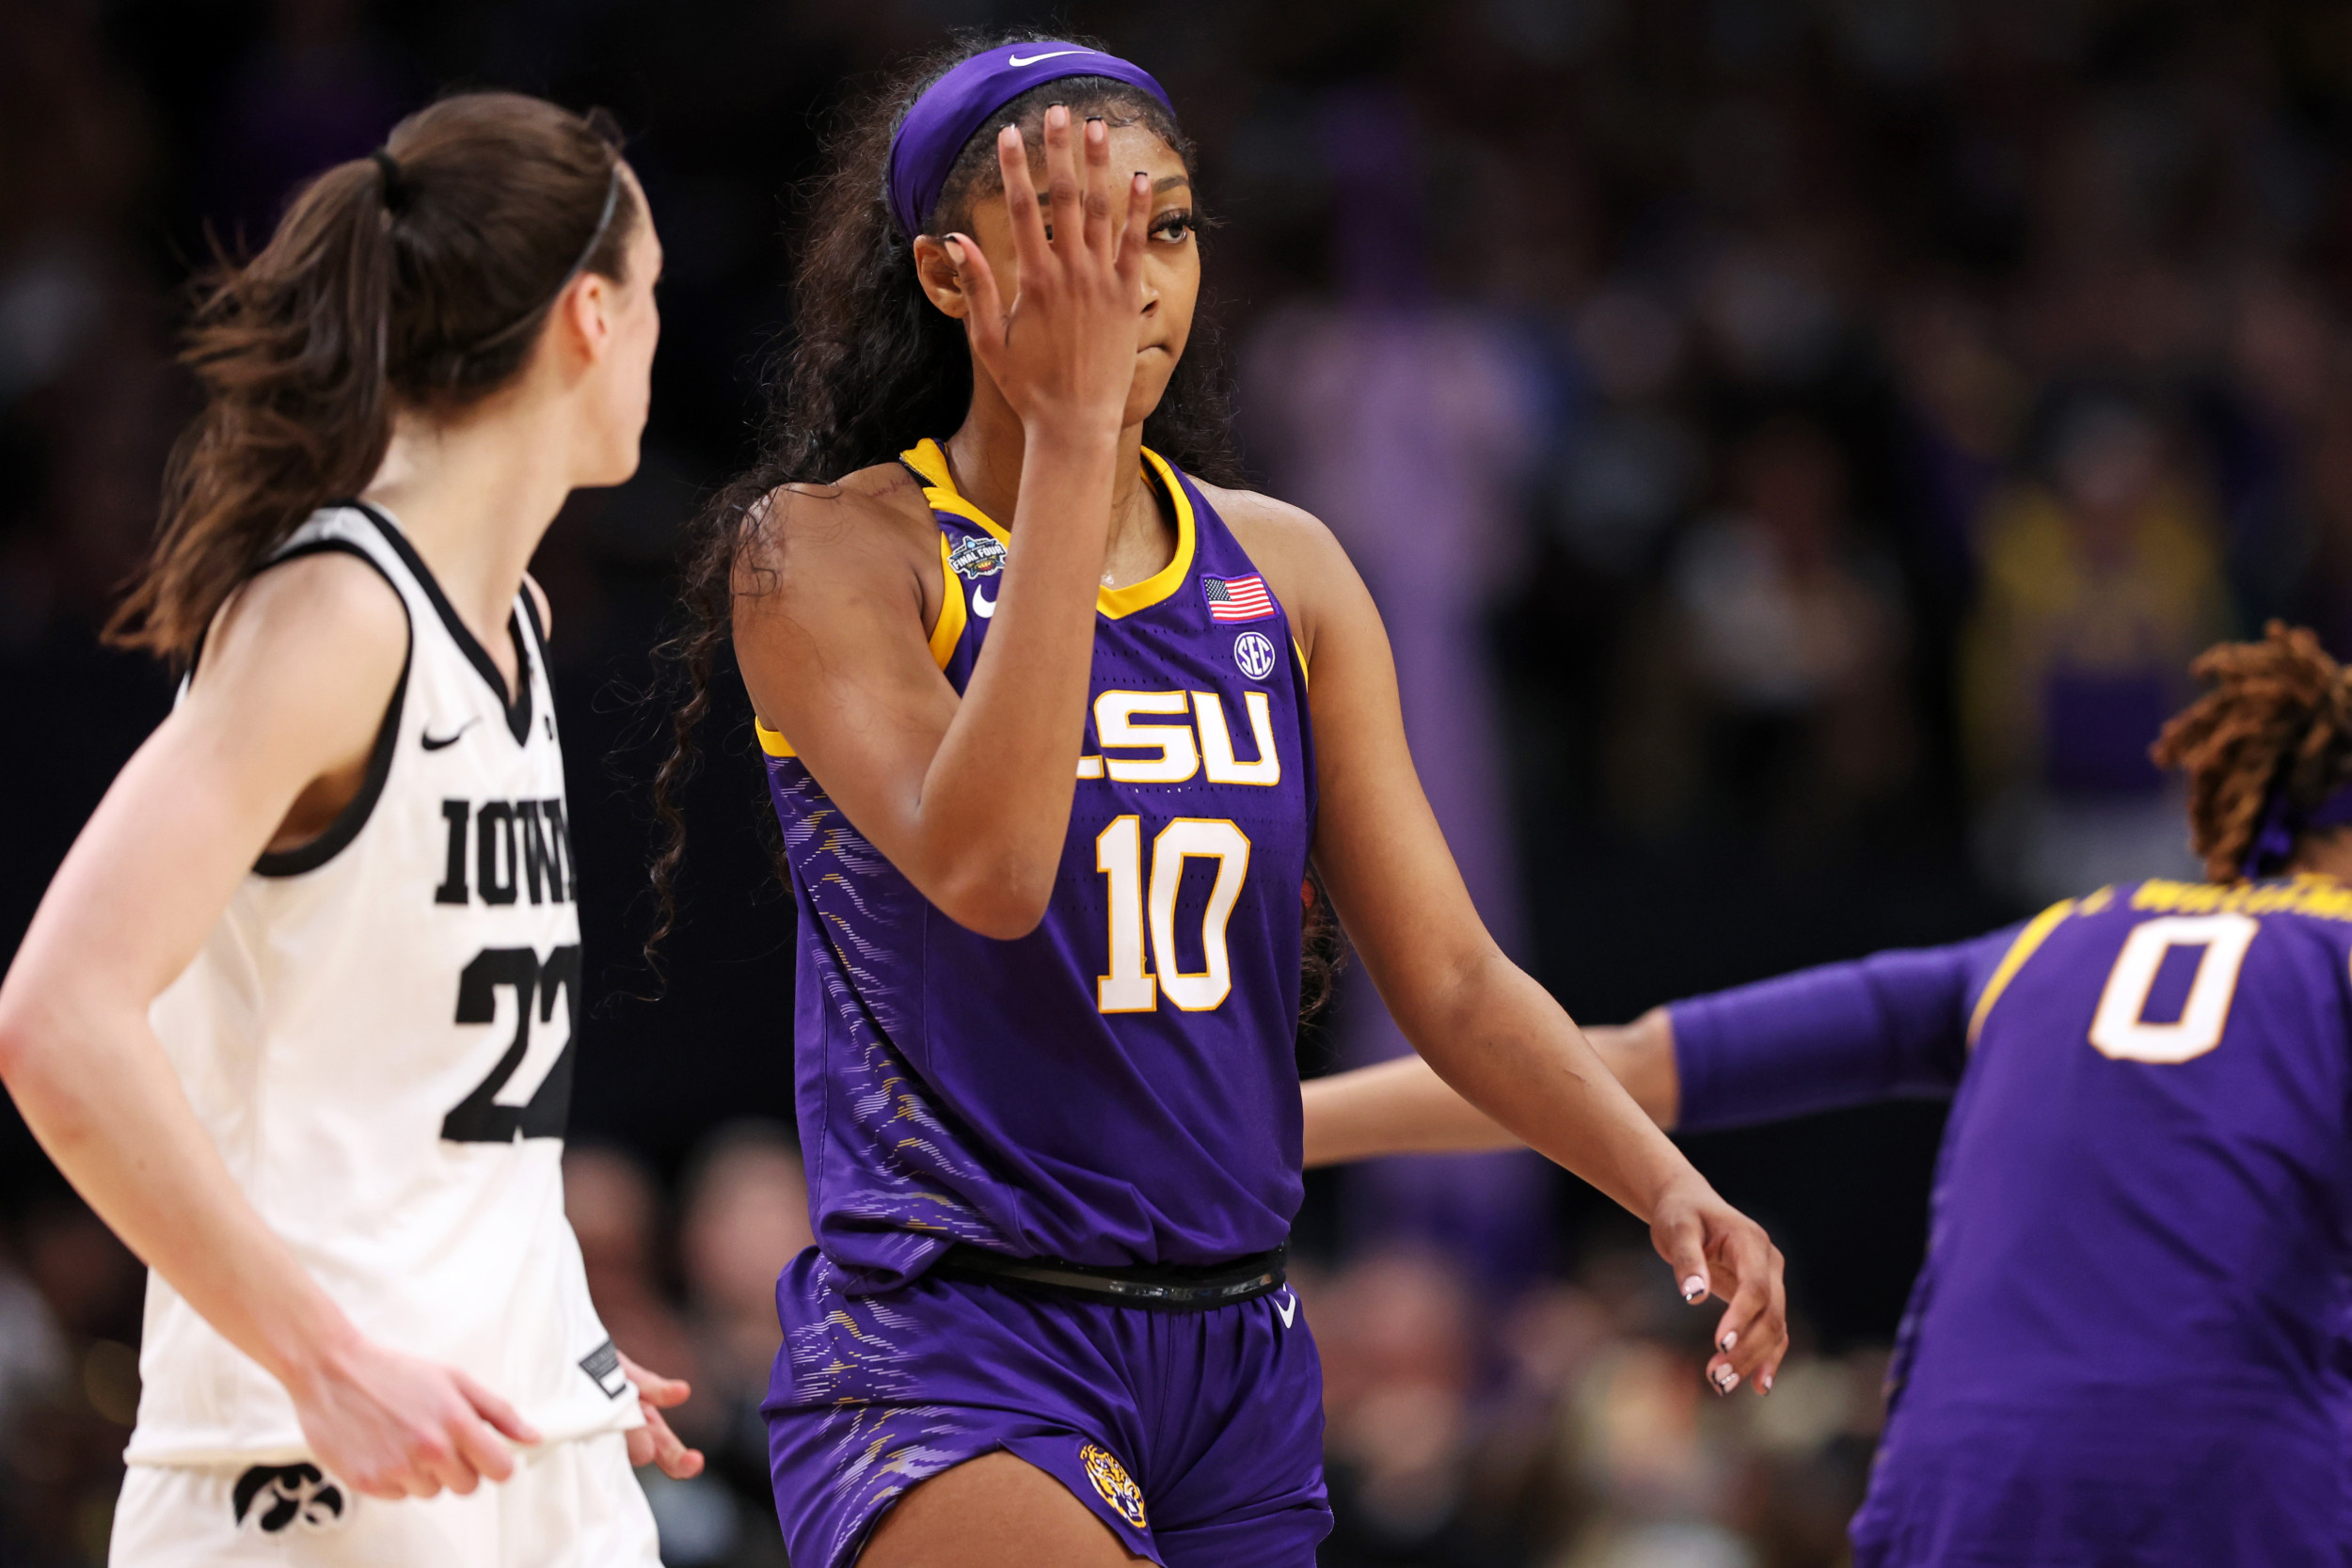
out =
column 322, row 639
column 1301, row 559
column 880, row 509
column 1273, row 527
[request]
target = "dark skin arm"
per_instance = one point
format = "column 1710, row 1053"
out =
column 969, row 797
column 1404, row 1107
column 1485, row 1028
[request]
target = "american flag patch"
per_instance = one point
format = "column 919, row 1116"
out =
column 1237, row 598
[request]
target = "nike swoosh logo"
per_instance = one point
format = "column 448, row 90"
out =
column 982, row 605
column 1289, row 1308
column 1049, row 55
column 434, row 743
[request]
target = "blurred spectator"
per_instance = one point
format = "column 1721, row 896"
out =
column 2102, row 578
column 69, row 1328
column 746, row 1216
column 1776, row 685
column 616, row 1211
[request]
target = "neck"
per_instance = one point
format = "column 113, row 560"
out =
column 986, row 453
column 474, row 497
column 2326, row 853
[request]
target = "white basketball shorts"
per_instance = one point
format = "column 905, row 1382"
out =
column 568, row 1505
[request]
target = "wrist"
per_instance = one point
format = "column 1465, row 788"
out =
column 1678, row 1190
column 1074, row 436
column 308, row 1345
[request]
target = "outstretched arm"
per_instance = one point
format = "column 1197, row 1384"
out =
column 1404, row 1107
column 272, row 722
column 1891, row 1025
column 1487, row 1029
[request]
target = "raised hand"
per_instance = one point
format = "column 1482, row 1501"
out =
column 1063, row 350
column 394, row 1426
column 1716, row 1250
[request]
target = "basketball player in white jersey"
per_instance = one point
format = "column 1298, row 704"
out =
column 296, row 1014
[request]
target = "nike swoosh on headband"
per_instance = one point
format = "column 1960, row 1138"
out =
column 983, row 604
column 1016, row 60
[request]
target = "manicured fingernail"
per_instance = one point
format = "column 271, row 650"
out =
column 1728, row 1340
column 955, row 252
column 1694, row 1289
column 1765, row 1382
column 1727, row 1380
column 1058, row 115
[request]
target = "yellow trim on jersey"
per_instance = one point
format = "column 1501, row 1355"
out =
column 1306, row 677
column 943, row 638
column 2037, row 931
column 939, row 489
column 949, row 630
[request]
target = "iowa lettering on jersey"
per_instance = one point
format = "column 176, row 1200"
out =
column 520, row 847
column 1203, row 746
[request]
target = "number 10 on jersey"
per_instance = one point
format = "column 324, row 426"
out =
column 1130, row 986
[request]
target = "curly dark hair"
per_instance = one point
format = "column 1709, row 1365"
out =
column 870, row 367
column 2279, row 717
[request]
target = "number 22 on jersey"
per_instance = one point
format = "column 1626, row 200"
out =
column 2121, row 1029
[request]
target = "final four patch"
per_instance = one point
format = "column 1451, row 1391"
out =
column 1111, row 1480
column 977, row 557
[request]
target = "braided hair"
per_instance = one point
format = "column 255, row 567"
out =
column 2278, row 718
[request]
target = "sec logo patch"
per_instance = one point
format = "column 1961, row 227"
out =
column 1255, row 652
column 1112, row 1481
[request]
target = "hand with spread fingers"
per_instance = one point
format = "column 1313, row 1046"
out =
column 654, row 1443
column 1062, row 348
column 1716, row 1250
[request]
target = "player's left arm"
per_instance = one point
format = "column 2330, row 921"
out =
column 1893, row 1025
column 1484, row 1026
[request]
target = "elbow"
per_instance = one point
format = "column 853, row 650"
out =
column 1001, row 904
column 20, row 1036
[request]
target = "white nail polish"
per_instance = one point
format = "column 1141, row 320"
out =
column 1694, row 1289
column 1728, row 1340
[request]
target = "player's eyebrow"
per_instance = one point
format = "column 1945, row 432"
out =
column 1168, row 183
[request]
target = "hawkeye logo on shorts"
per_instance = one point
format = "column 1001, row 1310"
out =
column 278, row 1497
column 1112, row 1481
column 977, row 557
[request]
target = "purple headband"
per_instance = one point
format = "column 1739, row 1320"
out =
column 952, row 110
column 2273, row 844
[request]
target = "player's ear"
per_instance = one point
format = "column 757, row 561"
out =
column 936, row 269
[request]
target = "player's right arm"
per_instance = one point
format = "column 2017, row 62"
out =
column 273, row 735
column 1891, row 1025
column 970, row 796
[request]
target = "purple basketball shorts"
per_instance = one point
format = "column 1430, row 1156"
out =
column 1196, row 1436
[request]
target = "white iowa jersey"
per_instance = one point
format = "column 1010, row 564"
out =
column 378, row 1035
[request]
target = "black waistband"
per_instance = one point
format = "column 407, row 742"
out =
column 1164, row 1287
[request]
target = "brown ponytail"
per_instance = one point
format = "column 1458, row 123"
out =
column 2279, row 717
column 420, row 277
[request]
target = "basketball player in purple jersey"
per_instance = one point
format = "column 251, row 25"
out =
column 1035, row 700
column 2124, row 1347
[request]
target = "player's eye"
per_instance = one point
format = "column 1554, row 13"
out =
column 1175, row 226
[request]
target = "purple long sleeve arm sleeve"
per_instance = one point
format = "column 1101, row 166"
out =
column 1890, row 1025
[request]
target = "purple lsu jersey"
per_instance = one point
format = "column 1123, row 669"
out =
column 1118, row 1087
column 2124, row 1343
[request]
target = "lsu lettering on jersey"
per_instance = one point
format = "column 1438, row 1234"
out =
column 378, row 1036
column 2127, row 1341
column 1118, row 1087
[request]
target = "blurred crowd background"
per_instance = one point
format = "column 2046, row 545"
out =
column 1797, row 444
